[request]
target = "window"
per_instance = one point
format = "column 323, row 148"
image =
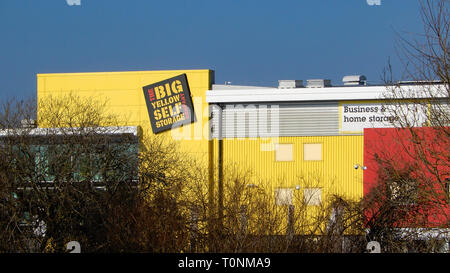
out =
column 284, row 152
column 312, row 196
column 312, row 151
column 283, row 196
column 41, row 162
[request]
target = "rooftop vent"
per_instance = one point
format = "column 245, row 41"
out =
column 318, row 83
column 355, row 80
column 283, row 84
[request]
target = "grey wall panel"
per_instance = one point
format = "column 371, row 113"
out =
column 284, row 119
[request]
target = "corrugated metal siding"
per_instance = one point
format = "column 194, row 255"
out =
column 335, row 173
column 309, row 119
column 293, row 119
column 123, row 93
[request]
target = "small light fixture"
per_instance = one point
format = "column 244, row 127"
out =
column 362, row 167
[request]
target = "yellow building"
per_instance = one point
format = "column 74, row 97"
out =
column 124, row 96
column 305, row 140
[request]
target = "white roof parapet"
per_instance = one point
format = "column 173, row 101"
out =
column 230, row 86
column 112, row 130
column 340, row 93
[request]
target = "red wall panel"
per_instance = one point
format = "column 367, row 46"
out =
column 422, row 154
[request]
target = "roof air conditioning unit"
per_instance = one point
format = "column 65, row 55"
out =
column 283, row 84
column 355, row 80
column 318, row 83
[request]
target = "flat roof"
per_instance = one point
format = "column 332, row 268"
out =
column 337, row 93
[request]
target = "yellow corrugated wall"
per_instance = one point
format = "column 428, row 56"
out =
column 335, row 173
column 124, row 95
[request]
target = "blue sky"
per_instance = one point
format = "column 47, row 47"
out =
column 249, row 42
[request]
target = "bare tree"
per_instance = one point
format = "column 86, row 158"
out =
column 80, row 176
column 419, row 99
column 62, row 182
column 74, row 179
